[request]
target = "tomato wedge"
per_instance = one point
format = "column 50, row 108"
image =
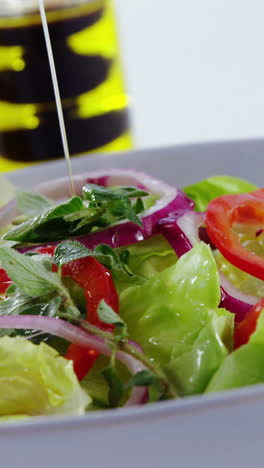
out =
column 97, row 284
column 222, row 213
column 245, row 329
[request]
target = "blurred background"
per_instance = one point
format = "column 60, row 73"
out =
column 194, row 68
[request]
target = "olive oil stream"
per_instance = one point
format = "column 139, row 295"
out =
column 56, row 93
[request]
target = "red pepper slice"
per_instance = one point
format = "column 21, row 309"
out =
column 222, row 213
column 97, row 283
column 83, row 359
column 245, row 329
column 5, row 281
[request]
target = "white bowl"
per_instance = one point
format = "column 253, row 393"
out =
column 211, row 431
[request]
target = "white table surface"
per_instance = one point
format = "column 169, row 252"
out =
column 194, row 68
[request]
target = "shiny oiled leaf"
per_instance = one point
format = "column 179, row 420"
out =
column 28, row 274
column 29, row 230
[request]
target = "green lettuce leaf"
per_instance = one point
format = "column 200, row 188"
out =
column 151, row 256
column 206, row 190
column 35, row 380
column 175, row 318
column 245, row 366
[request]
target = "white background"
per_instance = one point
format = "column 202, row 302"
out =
column 194, row 68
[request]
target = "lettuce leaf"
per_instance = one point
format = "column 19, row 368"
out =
column 175, row 318
column 206, row 190
column 151, row 256
column 35, row 380
column 245, row 366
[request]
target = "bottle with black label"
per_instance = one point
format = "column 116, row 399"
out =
column 85, row 48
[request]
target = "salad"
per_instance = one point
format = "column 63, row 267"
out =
column 128, row 291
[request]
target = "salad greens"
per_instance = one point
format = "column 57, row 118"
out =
column 206, row 190
column 96, row 209
column 161, row 312
column 35, row 380
column 116, row 263
column 245, row 366
column 182, row 329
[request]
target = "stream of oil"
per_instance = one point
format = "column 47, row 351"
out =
column 56, row 93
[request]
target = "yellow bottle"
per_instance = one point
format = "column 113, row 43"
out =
column 85, row 48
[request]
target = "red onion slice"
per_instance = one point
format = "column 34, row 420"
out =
column 182, row 232
column 79, row 337
column 235, row 300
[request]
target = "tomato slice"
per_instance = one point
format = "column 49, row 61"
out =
column 222, row 213
column 245, row 329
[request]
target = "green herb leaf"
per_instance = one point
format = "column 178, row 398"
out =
column 19, row 303
column 116, row 386
column 115, row 263
column 31, row 204
column 125, row 256
column 122, row 209
column 68, row 251
column 73, row 250
column 28, row 274
column 116, row 200
column 100, row 208
column 143, row 378
column 37, row 228
column 98, row 194
column 139, row 206
column 107, row 315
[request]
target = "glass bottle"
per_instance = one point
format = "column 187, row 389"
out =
column 85, row 48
